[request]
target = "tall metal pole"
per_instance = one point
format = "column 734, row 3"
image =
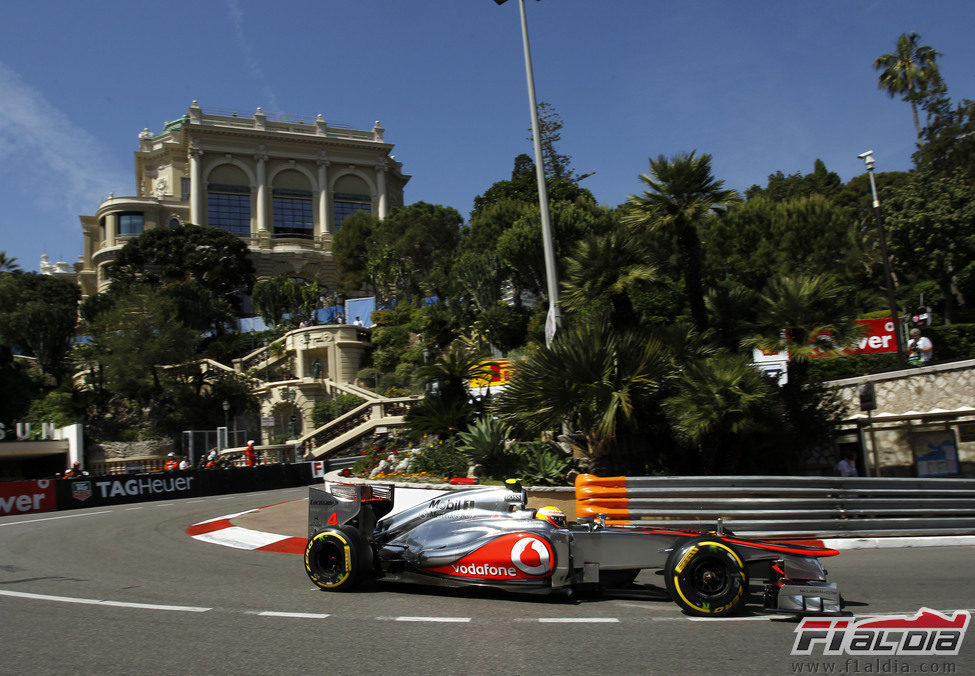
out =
column 867, row 157
column 554, row 319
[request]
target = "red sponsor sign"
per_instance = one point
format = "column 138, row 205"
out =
column 24, row 497
column 878, row 338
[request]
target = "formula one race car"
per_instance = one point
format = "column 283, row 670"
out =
column 486, row 537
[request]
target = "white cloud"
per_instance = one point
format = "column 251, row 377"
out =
column 237, row 19
column 51, row 171
column 48, row 158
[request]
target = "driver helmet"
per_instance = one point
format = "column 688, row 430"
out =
column 553, row 515
column 172, row 455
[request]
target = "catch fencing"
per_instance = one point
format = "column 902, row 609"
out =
column 795, row 506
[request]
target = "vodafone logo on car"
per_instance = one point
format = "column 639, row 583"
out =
column 531, row 556
column 515, row 556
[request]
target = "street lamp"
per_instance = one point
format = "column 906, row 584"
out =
column 554, row 318
column 867, row 157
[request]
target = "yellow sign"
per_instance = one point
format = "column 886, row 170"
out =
column 500, row 373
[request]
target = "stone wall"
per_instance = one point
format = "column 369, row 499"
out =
column 127, row 450
column 926, row 399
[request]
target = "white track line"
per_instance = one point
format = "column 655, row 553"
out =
column 430, row 619
column 578, row 619
column 53, row 518
column 98, row 602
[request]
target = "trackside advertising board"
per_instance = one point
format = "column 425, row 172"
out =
column 878, row 338
column 25, row 497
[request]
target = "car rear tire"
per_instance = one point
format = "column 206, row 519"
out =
column 336, row 559
column 707, row 577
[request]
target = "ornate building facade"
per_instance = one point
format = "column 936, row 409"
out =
column 284, row 186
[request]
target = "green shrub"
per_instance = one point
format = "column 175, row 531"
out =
column 540, row 464
column 440, row 458
column 952, row 342
column 330, row 409
column 850, row 366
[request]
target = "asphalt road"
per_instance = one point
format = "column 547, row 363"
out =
column 123, row 589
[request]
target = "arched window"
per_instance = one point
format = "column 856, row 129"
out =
column 351, row 195
column 291, row 204
column 229, row 200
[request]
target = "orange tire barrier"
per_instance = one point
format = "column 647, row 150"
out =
column 602, row 495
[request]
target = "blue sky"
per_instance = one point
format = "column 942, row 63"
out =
column 761, row 86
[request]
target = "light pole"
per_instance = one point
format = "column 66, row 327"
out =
column 868, row 159
column 554, row 319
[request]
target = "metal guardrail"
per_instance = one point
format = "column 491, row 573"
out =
column 821, row 506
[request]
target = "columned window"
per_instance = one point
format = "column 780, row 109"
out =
column 292, row 210
column 229, row 208
column 130, row 224
column 347, row 203
column 351, row 195
column 229, row 200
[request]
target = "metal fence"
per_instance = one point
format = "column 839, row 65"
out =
column 197, row 443
column 821, row 506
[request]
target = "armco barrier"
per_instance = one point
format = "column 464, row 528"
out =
column 821, row 506
column 24, row 497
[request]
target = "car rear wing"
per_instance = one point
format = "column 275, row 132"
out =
column 340, row 504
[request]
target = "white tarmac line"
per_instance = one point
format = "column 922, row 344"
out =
column 53, row 518
column 431, row 619
column 98, row 602
column 577, row 619
column 757, row 618
column 305, row 616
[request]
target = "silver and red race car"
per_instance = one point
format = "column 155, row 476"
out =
column 487, row 537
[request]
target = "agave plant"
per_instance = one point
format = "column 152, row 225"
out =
column 484, row 440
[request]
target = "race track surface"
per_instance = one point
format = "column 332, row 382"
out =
column 126, row 589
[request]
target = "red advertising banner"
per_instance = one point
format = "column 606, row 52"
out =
column 878, row 338
column 24, row 497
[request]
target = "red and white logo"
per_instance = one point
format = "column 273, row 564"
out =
column 81, row 490
column 515, row 556
column 928, row 632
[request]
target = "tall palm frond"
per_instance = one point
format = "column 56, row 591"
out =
column 682, row 192
column 910, row 72
column 593, row 378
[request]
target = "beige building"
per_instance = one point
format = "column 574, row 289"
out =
column 285, row 186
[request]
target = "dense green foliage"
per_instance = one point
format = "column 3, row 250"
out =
column 329, row 409
column 663, row 298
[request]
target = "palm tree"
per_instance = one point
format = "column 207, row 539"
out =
column 601, row 273
column 717, row 405
column 683, row 192
column 447, row 408
column 911, row 72
column 806, row 315
column 593, row 379
column 8, row 263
